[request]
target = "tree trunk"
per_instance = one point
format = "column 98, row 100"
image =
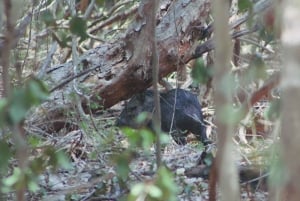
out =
column 290, row 138
column 225, row 160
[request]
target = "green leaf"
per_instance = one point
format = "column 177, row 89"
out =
column 78, row 27
column 5, row 155
column 244, row 5
column 154, row 191
column 165, row 181
column 18, row 108
column 33, row 93
column 57, row 158
column 3, row 111
column 164, row 138
column 62, row 160
column 36, row 92
column 122, row 162
column 14, row 178
column 142, row 118
column 137, row 189
column 200, row 73
column 148, row 138
column 3, row 103
column 131, row 134
column 47, row 17
column 33, row 186
column 33, row 141
column 38, row 165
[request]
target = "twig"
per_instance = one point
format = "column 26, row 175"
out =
column 208, row 45
column 110, row 12
column 73, row 77
column 257, row 44
column 75, row 66
column 256, row 179
column 47, row 61
column 89, row 9
column 113, row 19
column 257, row 8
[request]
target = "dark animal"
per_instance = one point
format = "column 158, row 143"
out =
column 187, row 116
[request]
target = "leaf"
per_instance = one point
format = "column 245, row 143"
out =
column 14, row 178
column 154, row 191
column 122, row 161
column 137, row 189
column 47, row 17
column 244, row 5
column 3, row 111
column 36, row 92
column 23, row 98
column 33, row 186
column 165, row 182
column 18, row 108
column 148, row 138
column 78, row 27
column 5, row 155
column 142, row 118
column 200, row 73
column 62, row 160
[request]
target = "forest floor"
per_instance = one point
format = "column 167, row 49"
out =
column 94, row 172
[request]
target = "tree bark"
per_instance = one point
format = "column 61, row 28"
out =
column 225, row 161
column 290, row 138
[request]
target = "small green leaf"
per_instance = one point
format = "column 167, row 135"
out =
column 34, row 141
column 57, row 158
column 244, row 5
column 164, row 138
column 14, row 178
column 17, row 111
column 33, row 186
column 137, row 189
column 36, row 92
column 142, row 118
column 62, row 160
column 165, row 181
column 154, row 191
column 3, row 111
column 78, row 27
column 5, row 155
column 148, row 138
column 3, row 103
column 200, row 73
column 132, row 135
column 122, row 161
column 47, row 17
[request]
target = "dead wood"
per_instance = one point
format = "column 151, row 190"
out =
column 115, row 70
